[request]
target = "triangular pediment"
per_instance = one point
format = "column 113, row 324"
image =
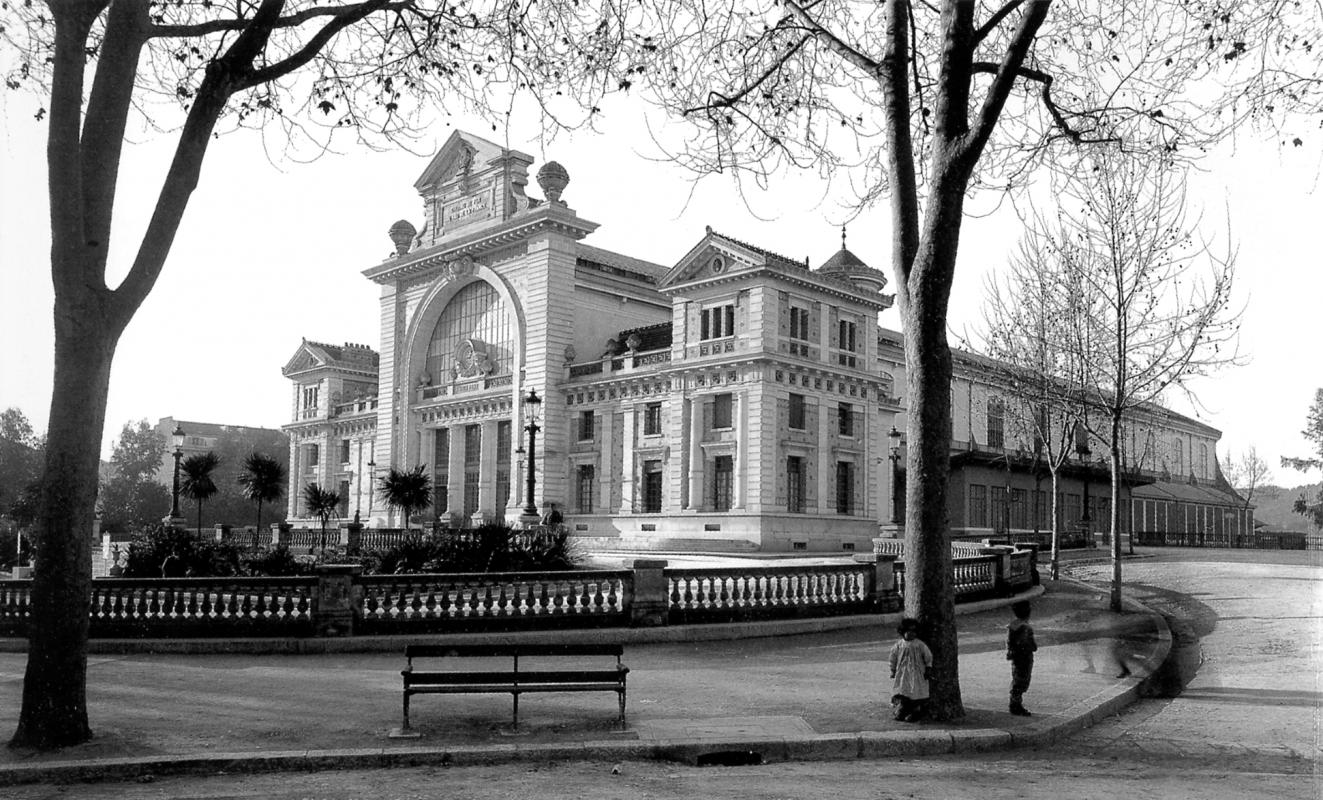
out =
column 462, row 154
column 306, row 357
column 713, row 256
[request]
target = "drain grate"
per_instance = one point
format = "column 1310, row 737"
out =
column 730, row 758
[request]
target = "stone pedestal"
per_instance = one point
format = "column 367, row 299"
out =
column 335, row 604
column 650, row 607
column 883, row 594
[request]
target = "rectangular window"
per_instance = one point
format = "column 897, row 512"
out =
column 844, row 487
column 586, row 426
column 845, row 419
column 847, row 338
column 314, row 453
column 471, row 484
column 343, row 511
column 310, row 397
column 1042, row 510
column 502, row 493
column 721, row 406
column 717, row 322
column 503, row 442
column 723, row 479
column 584, row 482
column 797, row 412
column 344, row 451
column 652, row 419
column 978, row 506
column 996, row 423
column 472, row 445
column 1000, row 510
column 652, row 487
column 1020, row 509
column 795, row 484
column 799, row 323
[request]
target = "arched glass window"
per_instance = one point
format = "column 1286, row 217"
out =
column 1203, row 461
column 476, row 316
column 1178, row 457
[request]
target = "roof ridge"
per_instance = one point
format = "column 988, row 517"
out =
column 761, row 250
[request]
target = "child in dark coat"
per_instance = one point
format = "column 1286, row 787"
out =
column 1020, row 647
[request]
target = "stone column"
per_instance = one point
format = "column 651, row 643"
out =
column 605, row 458
column 695, row 499
column 651, row 603
column 629, row 480
column 455, row 488
column 1003, row 569
column 487, row 472
column 741, row 449
column 825, row 504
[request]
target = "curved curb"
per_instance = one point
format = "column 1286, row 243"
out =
column 820, row 747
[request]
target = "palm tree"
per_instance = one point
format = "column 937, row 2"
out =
column 323, row 503
column 195, row 481
column 263, row 481
column 407, row 490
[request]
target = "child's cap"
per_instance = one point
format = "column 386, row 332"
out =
column 908, row 624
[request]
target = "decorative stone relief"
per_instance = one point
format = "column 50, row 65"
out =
column 471, row 360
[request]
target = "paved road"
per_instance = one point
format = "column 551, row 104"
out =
column 1242, row 721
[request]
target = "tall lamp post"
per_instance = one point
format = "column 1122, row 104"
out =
column 894, row 438
column 1083, row 451
column 532, row 405
column 177, row 439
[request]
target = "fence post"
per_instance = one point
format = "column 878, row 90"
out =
column 351, row 537
column 651, row 604
column 1002, row 566
column 334, row 604
column 882, row 594
column 279, row 533
column 1032, row 547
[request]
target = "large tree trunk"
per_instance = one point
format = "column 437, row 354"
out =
column 54, row 712
column 928, row 591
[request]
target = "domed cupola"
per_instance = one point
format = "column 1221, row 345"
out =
column 844, row 265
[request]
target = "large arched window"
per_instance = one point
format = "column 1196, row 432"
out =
column 1178, row 458
column 473, row 337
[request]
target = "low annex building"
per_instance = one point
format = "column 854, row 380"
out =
column 737, row 399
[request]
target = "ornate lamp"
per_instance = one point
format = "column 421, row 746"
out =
column 532, row 407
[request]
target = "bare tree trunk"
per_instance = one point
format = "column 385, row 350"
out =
column 1056, row 533
column 54, row 710
column 1116, row 497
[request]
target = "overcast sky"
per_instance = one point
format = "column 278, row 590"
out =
column 272, row 252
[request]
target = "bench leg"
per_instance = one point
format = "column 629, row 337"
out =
column 622, row 709
column 515, row 695
column 405, row 726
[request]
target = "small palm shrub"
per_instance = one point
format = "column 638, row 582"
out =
column 277, row 561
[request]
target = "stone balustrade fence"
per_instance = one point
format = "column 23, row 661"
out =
column 340, row 601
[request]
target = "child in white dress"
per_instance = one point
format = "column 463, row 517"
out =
column 911, row 669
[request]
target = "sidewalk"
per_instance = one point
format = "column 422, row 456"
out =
column 816, row 695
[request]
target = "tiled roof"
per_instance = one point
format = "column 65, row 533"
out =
column 772, row 258
column 651, row 337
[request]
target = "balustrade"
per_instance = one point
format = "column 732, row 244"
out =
column 757, row 592
column 408, row 602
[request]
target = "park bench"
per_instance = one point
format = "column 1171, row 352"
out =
column 513, row 679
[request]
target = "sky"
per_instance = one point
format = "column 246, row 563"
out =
column 272, row 250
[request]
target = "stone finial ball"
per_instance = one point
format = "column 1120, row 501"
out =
column 553, row 179
column 402, row 233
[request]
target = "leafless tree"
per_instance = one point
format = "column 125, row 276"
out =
column 1247, row 474
column 1149, row 303
column 924, row 104
column 1023, row 328
column 376, row 69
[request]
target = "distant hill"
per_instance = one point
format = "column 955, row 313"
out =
column 1272, row 506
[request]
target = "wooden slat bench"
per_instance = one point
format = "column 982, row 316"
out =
column 514, row 680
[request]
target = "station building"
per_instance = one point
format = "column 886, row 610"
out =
column 737, row 399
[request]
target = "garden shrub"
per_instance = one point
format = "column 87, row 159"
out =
column 277, row 561
column 199, row 557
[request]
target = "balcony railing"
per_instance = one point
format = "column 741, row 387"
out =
column 625, row 363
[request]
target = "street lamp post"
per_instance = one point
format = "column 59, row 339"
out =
column 532, row 405
column 1083, row 451
column 894, row 438
column 177, row 438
